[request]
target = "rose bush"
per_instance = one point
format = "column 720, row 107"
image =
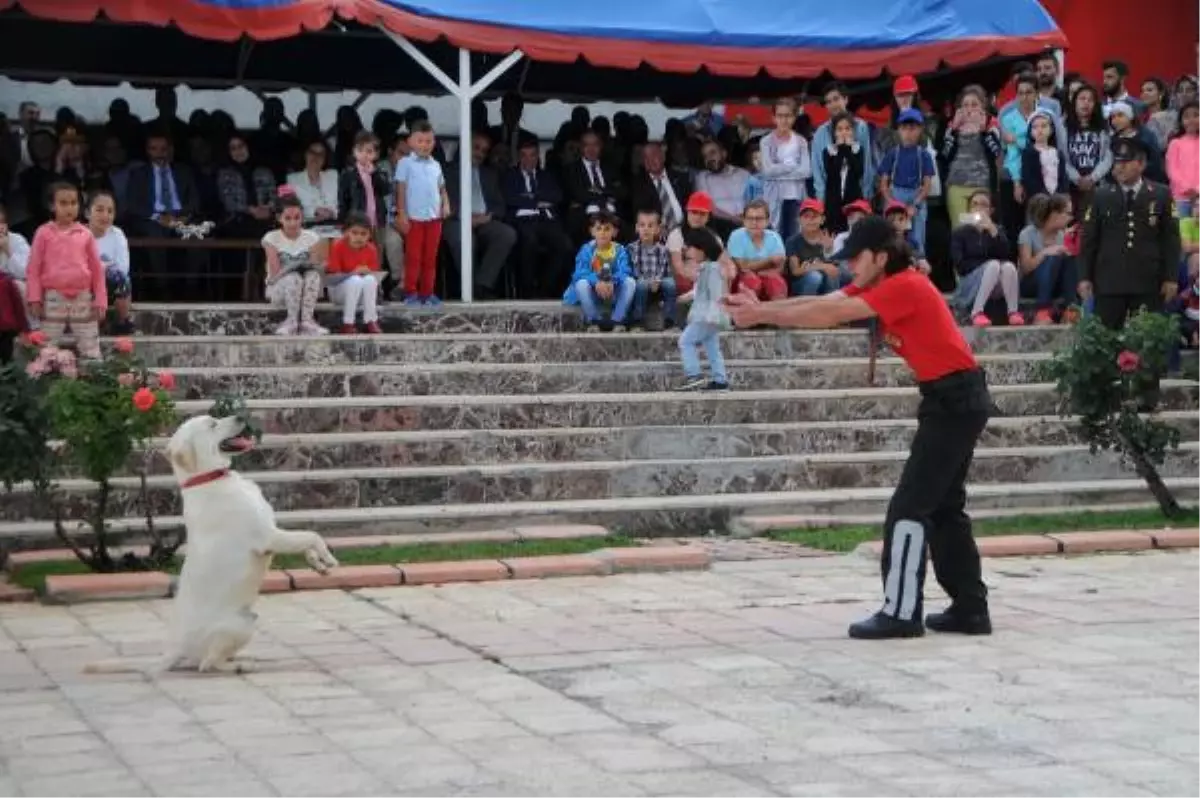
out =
column 1109, row 379
column 89, row 417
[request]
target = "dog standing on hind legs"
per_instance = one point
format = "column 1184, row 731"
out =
column 231, row 538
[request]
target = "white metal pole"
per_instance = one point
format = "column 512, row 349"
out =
column 466, row 242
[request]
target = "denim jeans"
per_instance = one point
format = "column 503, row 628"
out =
column 1056, row 277
column 814, row 283
column 666, row 291
column 709, row 336
column 789, row 218
column 907, row 195
column 623, row 292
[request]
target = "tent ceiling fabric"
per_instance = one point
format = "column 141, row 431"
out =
column 790, row 42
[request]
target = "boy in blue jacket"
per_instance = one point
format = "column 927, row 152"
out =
column 602, row 274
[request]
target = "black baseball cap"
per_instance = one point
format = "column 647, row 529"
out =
column 1128, row 150
column 873, row 233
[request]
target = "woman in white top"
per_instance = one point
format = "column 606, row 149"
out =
column 316, row 187
column 114, row 254
column 295, row 266
column 785, row 166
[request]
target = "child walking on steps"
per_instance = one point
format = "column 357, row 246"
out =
column 295, row 263
column 354, row 274
column 65, row 278
column 702, row 251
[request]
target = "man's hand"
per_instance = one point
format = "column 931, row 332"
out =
column 739, row 299
column 402, row 223
column 37, row 310
column 1085, row 289
column 744, row 315
column 1169, row 289
column 604, row 290
column 167, row 220
column 478, row 219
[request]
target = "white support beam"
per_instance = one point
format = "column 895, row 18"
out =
column 465, row 233
column 408, row 47
column 495, row 72
column 464, row 91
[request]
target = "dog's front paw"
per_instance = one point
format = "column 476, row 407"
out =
column 321, row 559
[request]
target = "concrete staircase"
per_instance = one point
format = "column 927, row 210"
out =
column 505, row 415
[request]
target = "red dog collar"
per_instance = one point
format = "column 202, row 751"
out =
column 204, row 479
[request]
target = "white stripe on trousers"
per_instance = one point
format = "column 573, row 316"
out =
column 901, row 588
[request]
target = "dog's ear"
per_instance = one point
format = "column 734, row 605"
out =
column 182, row 455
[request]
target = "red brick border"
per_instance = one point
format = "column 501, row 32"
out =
column 1074, row 542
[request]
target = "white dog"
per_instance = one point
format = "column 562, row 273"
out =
column 231, row 537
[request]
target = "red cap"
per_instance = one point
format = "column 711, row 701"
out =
column 858, row 206
column 895, row 206
column 814, row 205
column 700, row 201
column 905, row 84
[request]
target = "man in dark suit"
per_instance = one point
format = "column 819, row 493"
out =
column 533, row 198
column 162, row 194
column 508, row 136
column 1131, row 245
column 592, row 186
column 656, row 188
column 485, row 209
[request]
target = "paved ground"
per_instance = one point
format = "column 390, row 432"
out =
column 735, row 682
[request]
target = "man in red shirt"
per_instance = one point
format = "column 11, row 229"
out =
column 928, row 505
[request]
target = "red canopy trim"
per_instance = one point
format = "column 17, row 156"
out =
column 213, row 22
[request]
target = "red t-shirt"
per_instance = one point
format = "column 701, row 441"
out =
column 917, row 324
column 344, row 260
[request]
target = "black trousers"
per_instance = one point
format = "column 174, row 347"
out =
column 928, row 507
column 7, row 337
column 545, row 258
column 1115, row 309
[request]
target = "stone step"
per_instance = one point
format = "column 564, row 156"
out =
column 215, row 349
column 304, row 451
column 280, row 382
column 453, row 317
column 653, row 515
column 391, row 413
column 533, row 482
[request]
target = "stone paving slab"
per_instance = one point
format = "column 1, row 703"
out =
column 736, row 681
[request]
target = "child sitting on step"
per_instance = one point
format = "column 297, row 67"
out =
column 354, row 275
column 295, row 263
column 602, row 275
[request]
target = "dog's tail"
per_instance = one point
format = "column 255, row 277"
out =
column 144, row 665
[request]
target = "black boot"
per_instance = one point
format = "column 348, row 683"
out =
column 960, row 620
column 881, row 626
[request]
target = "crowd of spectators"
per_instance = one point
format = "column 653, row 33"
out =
column 774, row 198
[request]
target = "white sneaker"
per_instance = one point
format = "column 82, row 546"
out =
column 288, row 328
column 312, row 328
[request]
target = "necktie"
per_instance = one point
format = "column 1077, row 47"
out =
column 531, row 182
column 1128, row 198
column 597, row 183
column 164, row 189
column 664, row 198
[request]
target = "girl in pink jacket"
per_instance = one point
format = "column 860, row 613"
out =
column 1183, row 160
column 65, row 278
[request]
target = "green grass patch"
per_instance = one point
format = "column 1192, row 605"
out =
column 847, row 538
column 34, row 575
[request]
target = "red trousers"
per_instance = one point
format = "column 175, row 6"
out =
column 420, row 257
column 764, row 285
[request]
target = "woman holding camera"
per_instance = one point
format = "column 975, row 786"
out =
column 982, row 258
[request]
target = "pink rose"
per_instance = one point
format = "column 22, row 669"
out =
column 37, row 338
column 166, row 380
column 123, row 345
column 1128, row 362
column 127, row 379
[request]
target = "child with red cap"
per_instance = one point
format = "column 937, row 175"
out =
column 811, row 271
